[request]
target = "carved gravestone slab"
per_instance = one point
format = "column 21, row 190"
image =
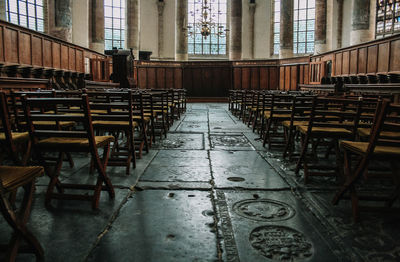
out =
column 230, row 142
column 281, row 243
column 182, row 141
column 263, row 210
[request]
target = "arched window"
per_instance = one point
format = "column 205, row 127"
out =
column 27, row 13
column 114, row 24
column 303, row 26
column 215, row 42
column 387, row 17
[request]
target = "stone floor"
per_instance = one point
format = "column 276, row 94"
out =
column 209, row 192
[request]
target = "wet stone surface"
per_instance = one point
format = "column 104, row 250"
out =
column 181, row 141
column 230, row 142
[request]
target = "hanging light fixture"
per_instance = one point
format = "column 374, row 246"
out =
column 206, row 20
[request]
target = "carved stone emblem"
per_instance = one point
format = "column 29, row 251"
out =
column 263, row 210
column 281, row 243
column 229, row 141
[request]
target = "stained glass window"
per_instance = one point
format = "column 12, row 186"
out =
column 215, row 42
column 27, row 13
column 114, row 24
column 387, row 17
column 303, row 26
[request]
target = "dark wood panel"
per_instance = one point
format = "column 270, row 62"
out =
column 306, row 74
column 273, row 78
column 353, row 61
column 178, row 74
column 383, row 57
column 151, row 78
column 11, row 45
column 47, row 54
column 395, row 56
column 362, row 60
column 338, row 63
column 160, row 73
column 64, row 57
column 293, row 77
column 71, row 59
column 245, row 78
column 56, row 55
column 79, row 61
column 37, row 51
column 169, row 78
column 287, row 78
column 25, row 55
column 372, row 59
column 282, row 78
column 142, row 78
column 197, row 86
column 346, row 63
column 237, row 78
column 1, row 44
column 255, row 78
column 264, row 83
column 301, row 74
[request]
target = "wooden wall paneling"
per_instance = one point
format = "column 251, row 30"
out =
column 362, row 61
column 160, row 73
column 47, row 53
column 64, row 57
column 383, row 57
column 71, row 59
column 372, row 59
column 178, row 78
column 196, row 88
column 1, row 43
column 169, row 77
column 338, row 64
column 287, row 78
column 208, row 81
column 37, row 51
column 151, row 78
column 263, row 72
column 25, row 52
column 142, row 77
column 353, row 62
column 301, row 74
column 281, row 78
column 237, row 78
column 56, row 55
column 79, row 61
column 245, row 78
column 346, row 63
column 395, row 56
column 306, row 75
column 273, row 74
column 293, row 77
column 255, row 78
column 188, row 81
column 11, row 45
column 226, row 80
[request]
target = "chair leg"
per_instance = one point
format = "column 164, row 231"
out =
column 302, row 154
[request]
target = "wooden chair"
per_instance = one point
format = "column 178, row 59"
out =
column 60, row 141
column 12, row 178
column 331, row 120
column 380, row 147
column 11, row 142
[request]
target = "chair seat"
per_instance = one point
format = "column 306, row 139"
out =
column 13, row 177
column 328, row 131
column 63, row 124
column 161, row 111
column 112, row 124
column 361, row 148
column 139, row 118
column 295, row 123
column 96, row 111
column 72, row 144
column 267, row 115
column 16, row 137
column 366, row 132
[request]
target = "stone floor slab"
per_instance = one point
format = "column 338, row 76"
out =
column 182, row 141
column 193, row 126
column 230, row 142
column 160, row 225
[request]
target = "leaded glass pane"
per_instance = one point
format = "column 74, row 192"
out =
column 114, row 23
column 301, row 48
column 304, row 26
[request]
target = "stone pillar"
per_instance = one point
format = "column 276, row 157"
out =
column 235, row 26
column 286, row 29
column 160, row 8
column 320, row 27
column 339, row 24
column 3, row 10
column 181, row 42
column 62, row 27
column 360, row 31
column 252, row 10
column 97, row 26
column 132, row 26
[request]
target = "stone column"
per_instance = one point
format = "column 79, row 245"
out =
column 132, row 26
column 360, row 31
column 252, row 10
column 97, row 26
column 320, row 27
column 235, row 26
column 160, row 8
column 286, row 29
column 3, row 10
column 339, row 23
column 62, row 26
column 181, row 42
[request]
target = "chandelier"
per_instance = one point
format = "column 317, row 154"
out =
column 204, row 17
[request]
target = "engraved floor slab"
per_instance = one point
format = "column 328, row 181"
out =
column 192, row 126
column 176, row 174
column 161, row 225
column 182, row 141
column 230, row 142
column 270, row 226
